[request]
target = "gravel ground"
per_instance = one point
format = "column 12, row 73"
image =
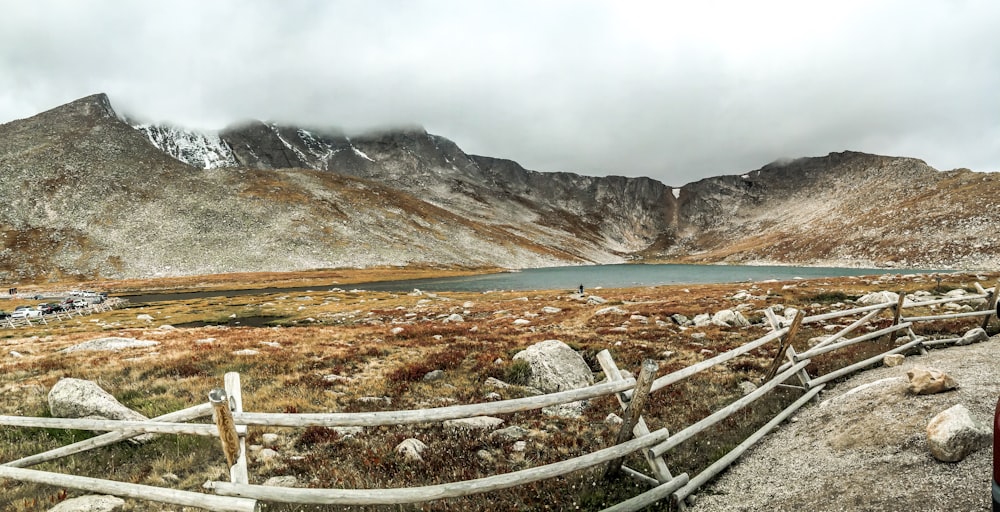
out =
column 863, row 446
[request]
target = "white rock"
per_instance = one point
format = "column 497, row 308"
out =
column 282, row 481
column 555, row 367
column 474, row 423
column 611, row 310
column 522, row 321
column 411, row 449
column 246, row 352
column 454, row 318
column 111, row 344
column 953, row 434
column 90, row 504
column 702, row 320
column 396, row 331
column 550, row 310
column 78, row 398
column 144, row 317
column 973, row 336
column 270, row 439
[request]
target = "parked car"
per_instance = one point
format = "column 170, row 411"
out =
column 25, row 312
column 48, row 308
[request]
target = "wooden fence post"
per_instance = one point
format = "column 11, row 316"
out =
column 897, row 315
column 786, row 342
column 992, row 304
column 656, row 464
column 634, row 410
column 238, row 472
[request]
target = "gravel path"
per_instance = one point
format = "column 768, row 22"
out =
column 863, row 447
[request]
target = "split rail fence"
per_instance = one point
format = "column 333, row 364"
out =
column 107, row 305
column 635, row 434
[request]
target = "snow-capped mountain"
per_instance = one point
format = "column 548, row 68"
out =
column 203, row 150
column 87, row 195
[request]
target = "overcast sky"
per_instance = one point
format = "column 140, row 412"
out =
column 675, row 90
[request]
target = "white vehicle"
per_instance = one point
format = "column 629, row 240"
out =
column 25, row 312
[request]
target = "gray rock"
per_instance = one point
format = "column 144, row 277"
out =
column 953, row 434
column 282, row 481
column 270, row 439
column 555, row 367
column 474, row 423
column 411, row 449
column 433, row 375
column 611, row 310
column 78, row 398
column 973, row 336
column 91, row 503
column 511, row 433
column 571, row 410
column 729, row 318
column 747, row 387
column 111, row 344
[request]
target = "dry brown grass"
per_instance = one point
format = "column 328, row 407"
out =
column 349, row 334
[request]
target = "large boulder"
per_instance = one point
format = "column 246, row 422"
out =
column 78, row 398
column 953, row 434
column 555, row 367
column 91, row 503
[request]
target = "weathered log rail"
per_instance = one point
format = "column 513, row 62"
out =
column 231, row 423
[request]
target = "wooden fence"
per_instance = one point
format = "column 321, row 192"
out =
column 635, row 434
column 90, row 309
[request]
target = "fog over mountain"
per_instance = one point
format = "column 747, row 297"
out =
column 90, row 194
column 674, row 91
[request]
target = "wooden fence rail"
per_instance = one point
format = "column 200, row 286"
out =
column 635, row 435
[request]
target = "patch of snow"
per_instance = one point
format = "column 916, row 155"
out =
column 361, row 154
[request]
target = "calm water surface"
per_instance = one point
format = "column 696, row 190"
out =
column 568, row 278
column 621, row 276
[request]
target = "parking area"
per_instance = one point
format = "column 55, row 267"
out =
column 41, row 309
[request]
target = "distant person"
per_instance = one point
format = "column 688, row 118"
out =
column 581, row 289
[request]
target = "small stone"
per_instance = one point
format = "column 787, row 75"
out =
column 522, row 321
column 927, row 381
column 433, row 375
column 474, row 423
column 520, row 446
column 270, row 439
column 246, row 352
column 747, row 387
column 282, row 481
column 411, row 449
column 973, row 336
column 893, row 359
column 267, row 454
column 454, row 318
column 396, row 331
column 511, row 433
column 613, row 419
column 550, row 310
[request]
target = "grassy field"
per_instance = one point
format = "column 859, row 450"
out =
column 340, row 351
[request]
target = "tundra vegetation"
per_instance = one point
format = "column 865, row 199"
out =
column 337, row 349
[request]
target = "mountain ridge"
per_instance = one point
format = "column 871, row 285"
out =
column 91, row 194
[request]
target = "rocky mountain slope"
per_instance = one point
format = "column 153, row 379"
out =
column 88, row 194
